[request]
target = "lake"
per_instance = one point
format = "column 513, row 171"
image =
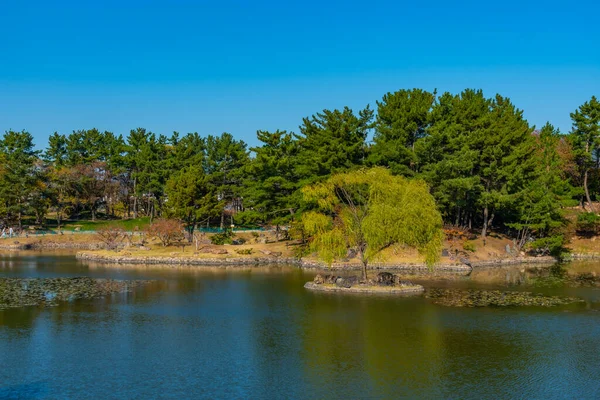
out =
column 257, row 333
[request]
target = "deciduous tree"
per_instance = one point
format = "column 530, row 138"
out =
column 369, row 210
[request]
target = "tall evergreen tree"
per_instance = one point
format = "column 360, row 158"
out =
column 540, row 205
column 20, row 175
column 402, row 119
column 225, row 161
column 56, row 153
column 586, row 140
column 190, row 197
column 271, row 179
column 478, row 153
column 332, row 141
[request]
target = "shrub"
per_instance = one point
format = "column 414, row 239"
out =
column 551, row 245
column 168, row 231
column 587, row 223
column 224, row 237
column 244, row 251
column 469, row 246
column 111, row 235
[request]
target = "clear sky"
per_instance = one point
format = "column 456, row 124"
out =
column 215, row 66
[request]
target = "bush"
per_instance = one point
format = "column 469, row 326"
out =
column 244, row 251
column 551, row 245
column 469, row 246
column 587, row 223
column 168, row 231
column 111, row 236
column 224, row 237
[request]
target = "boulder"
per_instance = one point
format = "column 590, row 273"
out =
column 384, row 279
column 340, row 282
column 351, row 280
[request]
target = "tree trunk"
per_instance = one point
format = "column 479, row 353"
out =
column 364, row 262
column 222, row 219
column 135, row 199
column 485, row 224
column 587, row 192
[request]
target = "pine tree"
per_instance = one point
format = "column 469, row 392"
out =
column 225, row 161
column 271, row 180
column 586, row 140
column 191, row 198
column 20, row 175
column 402, row 119
column 332, row 141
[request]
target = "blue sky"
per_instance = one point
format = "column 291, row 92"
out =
column 238, row 67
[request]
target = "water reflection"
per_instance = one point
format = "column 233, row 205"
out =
column 257, row 333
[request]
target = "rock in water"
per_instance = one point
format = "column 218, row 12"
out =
column 346, row 282
column 465, row 261
column 385, row 279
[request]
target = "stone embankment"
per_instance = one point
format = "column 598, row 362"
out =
column 49, row 245
column 246, row 261
column 120, row 258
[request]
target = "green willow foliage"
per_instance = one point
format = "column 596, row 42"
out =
column 485, row 166
column 370, row 210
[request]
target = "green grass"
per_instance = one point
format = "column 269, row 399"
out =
column 87, row 225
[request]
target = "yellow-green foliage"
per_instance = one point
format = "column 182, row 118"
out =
column 469, row 246
column 369, row 210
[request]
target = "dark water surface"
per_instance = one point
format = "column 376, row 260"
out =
column 241, row 333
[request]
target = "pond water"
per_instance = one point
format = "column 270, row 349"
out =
column 257, row 333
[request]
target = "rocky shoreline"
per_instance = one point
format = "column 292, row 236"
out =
column 301, row 263
column 47, row 245
column 413, row 289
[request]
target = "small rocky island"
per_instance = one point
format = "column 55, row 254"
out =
column 384, row 282
column 21, row 292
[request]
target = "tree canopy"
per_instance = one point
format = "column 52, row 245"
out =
column 369, row 210
column 484, row 164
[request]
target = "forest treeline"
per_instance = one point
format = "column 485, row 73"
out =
column 484, row 163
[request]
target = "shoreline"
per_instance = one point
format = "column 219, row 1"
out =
column 302, row 263
column 413, row 289
column 86, row 251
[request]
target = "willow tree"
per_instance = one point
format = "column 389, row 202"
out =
column 369, row 210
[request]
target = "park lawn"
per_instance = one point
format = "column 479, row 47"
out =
column 86, row 225
column 154, row 248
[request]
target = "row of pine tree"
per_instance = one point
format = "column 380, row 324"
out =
column 485, row 165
